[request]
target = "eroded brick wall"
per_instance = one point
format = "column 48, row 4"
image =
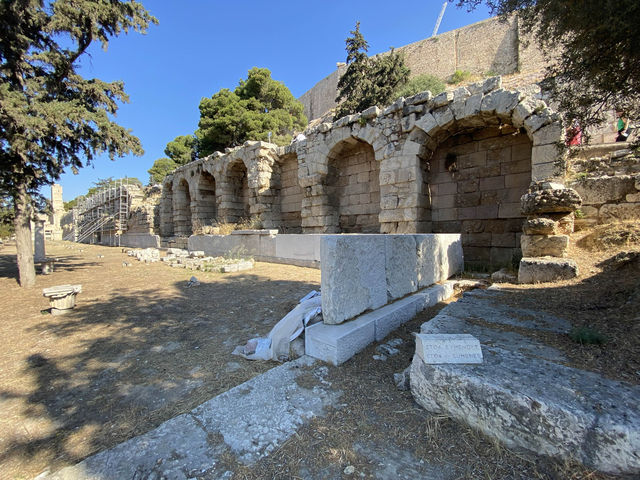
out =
column 479, row 193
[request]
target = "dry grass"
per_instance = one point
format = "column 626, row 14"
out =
column 613, row 235
column 139, row 349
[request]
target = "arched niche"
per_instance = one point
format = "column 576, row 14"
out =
column 238, row 203
column 206, row 207
column 353, row 187
column 182, row 209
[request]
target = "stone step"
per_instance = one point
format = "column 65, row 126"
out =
column 335, row 344
column 522, row 396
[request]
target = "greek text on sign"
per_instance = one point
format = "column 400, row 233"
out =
column 448, row 348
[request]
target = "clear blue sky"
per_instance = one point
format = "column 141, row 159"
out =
column 201, row 46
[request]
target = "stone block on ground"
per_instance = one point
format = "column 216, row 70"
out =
column 443, row 348
column 353, row 275
column 401, row 265
column 544, row 245
column 546, row 269
column 579, row 415
column 62, row 298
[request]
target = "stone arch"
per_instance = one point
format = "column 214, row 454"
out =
column 206, row 205
column 236, row 201
column 166, row 208
column 182, row 209
column 352, row 187
column 478, row 154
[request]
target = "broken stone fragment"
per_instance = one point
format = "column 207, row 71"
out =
column 552, row 200
column 548, row 269
column 539, row 226
column 544, row 245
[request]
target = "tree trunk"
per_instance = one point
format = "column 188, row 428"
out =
column 24, row 243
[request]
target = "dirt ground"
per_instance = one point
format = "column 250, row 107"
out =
column 139, row 348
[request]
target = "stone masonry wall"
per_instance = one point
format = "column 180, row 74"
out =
column 608, row 180
column 476, row 182
column 384, row 171
column 489, row 47
column 290, row 196
column 354, row 179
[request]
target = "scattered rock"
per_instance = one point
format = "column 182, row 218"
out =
column 386, row 349
column 402, row 379
column 503, row 276
column 382, row 358
column 546, row 269
column 349, row 470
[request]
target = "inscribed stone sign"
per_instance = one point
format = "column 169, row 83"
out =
column 448, row 348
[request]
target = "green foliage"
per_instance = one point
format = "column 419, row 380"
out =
column 579, row 213
column 257, row 106
column 459, row 76
column 421, row 83
column 368, row 81
column 160, row 169
column 597, row 68
column 57, row 119
column 6, row 217
column 181, row 150
column 587, row 336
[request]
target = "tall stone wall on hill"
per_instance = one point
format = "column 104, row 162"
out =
column 490, row 47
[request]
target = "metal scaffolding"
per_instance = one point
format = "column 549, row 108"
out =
column 102, row 217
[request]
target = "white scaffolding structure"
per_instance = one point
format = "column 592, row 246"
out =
column 102, row 217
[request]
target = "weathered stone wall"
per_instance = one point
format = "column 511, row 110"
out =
column 608, row 180
column 354, row 187
column 384, row 172
column 290, row 196
column 476, row 182
column 489, row 47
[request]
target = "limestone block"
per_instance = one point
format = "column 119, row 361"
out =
column 633, row 197
column 505, row 102
column 622, row 211
column 491, row 84
column 472, row 106
column 440, row 256
column 394, row 107
column 401, row 265
column 544, row 245
column 371, row 112
column 390, row 317
column 427, row 123
column 444, row 117
column 442, row 99
column 543, row 270
column 539, row 119
column 549, row 134
column 540, row 226
column 353, row 275
column 537, row 201
column 419, row 98
column 335, row 344
column 565, row 222
column 578, row 416
column 599, row 190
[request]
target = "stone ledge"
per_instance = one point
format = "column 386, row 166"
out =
column 546, row 269
column 335, row 344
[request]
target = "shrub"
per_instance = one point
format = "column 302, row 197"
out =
column 459, row 76
column 419, row 84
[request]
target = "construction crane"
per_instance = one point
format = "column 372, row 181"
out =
column 435, row 29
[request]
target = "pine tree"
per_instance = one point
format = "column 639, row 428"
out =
column 368, row 81
column 52, row 118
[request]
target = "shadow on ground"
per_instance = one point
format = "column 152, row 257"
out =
column 125, row 365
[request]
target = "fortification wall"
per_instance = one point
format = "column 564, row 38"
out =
column 489, row 47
